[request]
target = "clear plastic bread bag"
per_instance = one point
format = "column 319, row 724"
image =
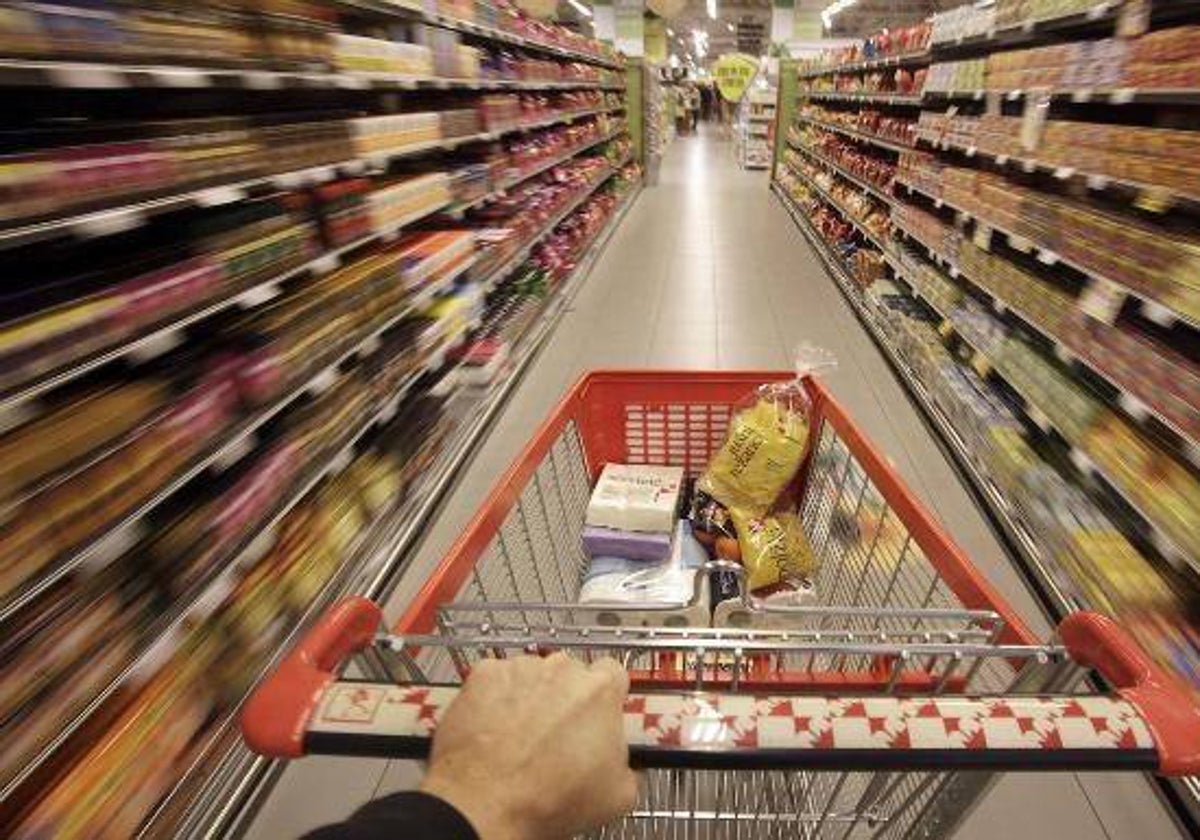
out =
column 766, row 441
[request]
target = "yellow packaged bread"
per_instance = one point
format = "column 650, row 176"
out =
column 760, row 456
column 774, row 548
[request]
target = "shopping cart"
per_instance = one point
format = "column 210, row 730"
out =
column 882, row 710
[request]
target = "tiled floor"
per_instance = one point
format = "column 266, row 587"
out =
column 706, row 271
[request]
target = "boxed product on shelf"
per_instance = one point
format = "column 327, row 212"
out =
column 1070, row 408
column 341, row 208
column 394, row 132
column 357, row 54
column 929, row 229
column 960, row 23
column 395, row 203
column 968, row 74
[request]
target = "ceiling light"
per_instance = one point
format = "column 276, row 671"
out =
column 579, row 7
column 832, row 9
column 712, row 9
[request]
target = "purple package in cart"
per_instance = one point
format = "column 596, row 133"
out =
column 632, row 545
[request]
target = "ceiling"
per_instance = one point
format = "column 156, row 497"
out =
column 745, row 25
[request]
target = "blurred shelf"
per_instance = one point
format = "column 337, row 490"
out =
column 841, row 211
column 1153, row 310
column 1110, row 96
column 462, row 207
column 1131, row 403
column 406, row 12
column 222, row 790
column 1019, row 539
column 1093, row 180
column 891, row 145
column 234, row 444
column 1102, row 15
column 907, row 100
column 877, row 192
column 913, row 59
column 116, row 76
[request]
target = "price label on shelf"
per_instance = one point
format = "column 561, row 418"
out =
column 156, row 656
column 1020, row 243
column 323, row 381
column 1155, row 200
column 983, row 236
column 111, row 546
column 1102, row 299
column 1157, row 313
column 234, row 452
column 981, row 365
column 259, row 295
column 1122, row 96
column 263, row 542
column 154, row 346
column 261, row 80
column 217, row 196
column 109, row 222
column 1133, row 406
column 1062, row 173
column 92, row 76
column 1097, row 182
column 1047, row 257
column 181, row 77
column 1038, row 418
column 1063, row 353
column 1033, row 120
column 1082, row 462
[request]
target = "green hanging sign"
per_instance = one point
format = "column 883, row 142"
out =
column 733, row 73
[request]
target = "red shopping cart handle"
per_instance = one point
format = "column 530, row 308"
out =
column 1151, row 723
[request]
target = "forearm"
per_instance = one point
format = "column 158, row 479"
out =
column 411, row 815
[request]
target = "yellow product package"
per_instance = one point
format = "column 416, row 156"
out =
column 774, row 548
column 761, row 453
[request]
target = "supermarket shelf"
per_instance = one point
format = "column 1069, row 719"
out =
column 1003, row 516
column 120, row 535
column 912, row 100
column 1094, row 180
column 161, row 648
column 209, row 595
column 384, row 8
column 1158, row 312
column 877, row 192
column 128, row 216
column 1163, row 541
column 104, row 548
column 230, row 790
column 1134, row 406
column 459, row 209
column 1004, row 37
column 1110, row 96
column 861, row 228
column 14, row 400
column 113, row 76
column 523, row 253
column 857, row 135
column 913, row 59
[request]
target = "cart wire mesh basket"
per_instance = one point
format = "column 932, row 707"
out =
column 883, row 709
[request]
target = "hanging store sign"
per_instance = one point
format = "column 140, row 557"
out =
column 733, row 73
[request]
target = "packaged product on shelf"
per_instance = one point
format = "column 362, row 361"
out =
column 636, row 497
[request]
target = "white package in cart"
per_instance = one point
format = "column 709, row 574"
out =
column 639, row 497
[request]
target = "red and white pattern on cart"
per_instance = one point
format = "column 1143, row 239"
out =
column 730, row 722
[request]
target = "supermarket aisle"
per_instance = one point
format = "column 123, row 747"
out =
column 707, row 270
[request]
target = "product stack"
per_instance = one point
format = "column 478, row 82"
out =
column 650, row 533
column 234, row 348
column 1038, row 287
column 755, row 126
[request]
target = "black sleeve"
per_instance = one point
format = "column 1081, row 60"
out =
column 402, row 816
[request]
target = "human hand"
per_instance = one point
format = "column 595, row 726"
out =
column 535, row 748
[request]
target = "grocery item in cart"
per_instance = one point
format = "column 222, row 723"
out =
column 636, row 498
column 774, row 549
column 766, row 442
column 630, row 545
column 674, row 582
